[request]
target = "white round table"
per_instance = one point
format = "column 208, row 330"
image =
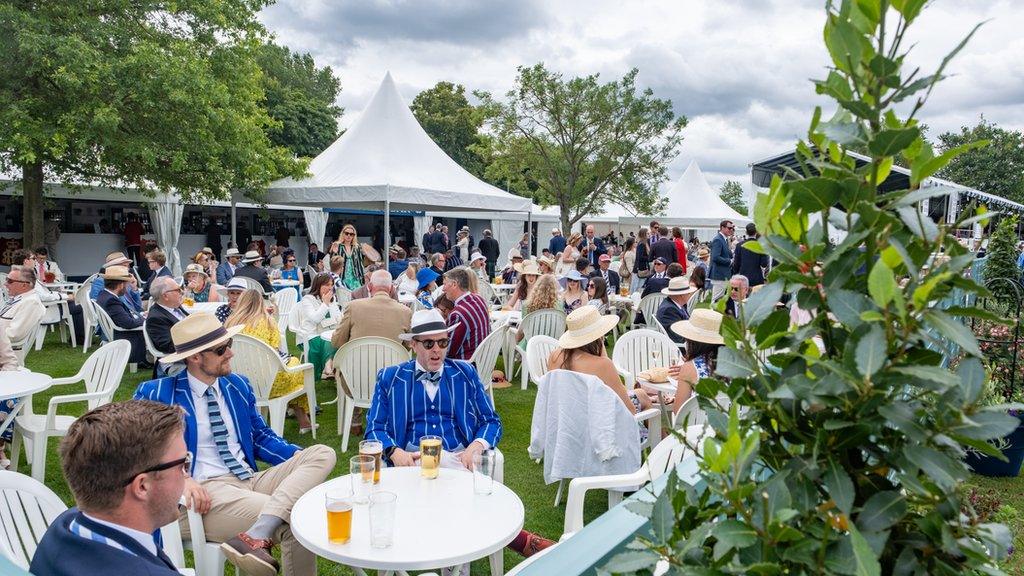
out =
column 209, row 307
column 283, row 283
column 19, row 386
column 501, row 317
column 438, row 523
column 659, row 387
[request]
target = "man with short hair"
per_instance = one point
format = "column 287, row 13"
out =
column 659, row 277
column 125, row 319
column 165, row 312
column 557, row 242
column 611, row 277
column 235, row 288
column 125, row 463
column 379, row 315
column 363, row 291
column 315, row 256
column 398, row 263
column 674, row 307
column 655, row 234
column 470, row 319
column 747, row 262
column 46, row 266
column 739, row 288
column 245, row 508
column 665, row 247
column 157, row 261
column 591, row 247
column 21, row 313
column 721, row 258
column 583, row 266
column 227, row 268
column 252, row 269
column 414, row 256
column 438, row 262
column 490, row 249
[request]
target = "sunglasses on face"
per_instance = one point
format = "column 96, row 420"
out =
column 429, row 344
column 348, row 233
column 184, row 463
column 13, row 280
column 291, row 260
column 220, row 350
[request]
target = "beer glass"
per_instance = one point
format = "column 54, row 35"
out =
column 361, row 472
column 483, row 472
column 339, row 515
column 373, row 448
column 430, row 456
column 382, row 518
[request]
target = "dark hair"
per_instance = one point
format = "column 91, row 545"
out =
column 41, row 251
column 674, row 270
column 444, row 305
column 629, row 243
column 582, row 264
column 677, row 233
column 699, row 277
column 318, row 283
column 600, row 289
column 287, row 252
column 709, row 352
column 593, row 348
column 723, row 223
column 111, row 283
column 751, row 229
column 20, row 255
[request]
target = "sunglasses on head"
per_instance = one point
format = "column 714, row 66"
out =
column 429, row 344
column 220, row 350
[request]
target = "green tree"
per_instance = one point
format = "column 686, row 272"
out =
column 1001, row 257
column 144, row 93
column 732, row 194
column 580, row 144
column 841, row 448
column 301, row 99
column 452, row 122
column 997, row 168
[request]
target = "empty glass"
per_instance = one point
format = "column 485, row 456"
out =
column 483, row 472
column 382, row 518
column 361, row 470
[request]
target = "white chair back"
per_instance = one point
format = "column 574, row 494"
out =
column 485, row 357
column 22, row 347
column 156, row 354
column 639, row 350
column 89, row 320
column 105, row 322
column 487, row 292
column 543, row 322
column 285, row 301
column 257, row 361
column 103, row 370
column 173, row 546
column 27, row 507
column 250, row 283
column 359, row 360
column 222, row 292
column 342, row 295
column 538, row 350
column 3, row 286
column 649, row 307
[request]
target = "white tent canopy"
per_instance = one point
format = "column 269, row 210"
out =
column 692, row 203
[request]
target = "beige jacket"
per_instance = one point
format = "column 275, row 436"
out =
column 20, row 315
column 379, row 315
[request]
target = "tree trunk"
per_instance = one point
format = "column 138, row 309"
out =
column 32, row 208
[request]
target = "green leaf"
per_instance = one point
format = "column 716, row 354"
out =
column 881, row 511
column 892, row 142
column 775, row 326
column 909, row 9
column 871, row 351
column 920, row 224
column 930, row 373
column 972, row 379
column 925, row 167
column 848, row 306
column 954, row 330
column 760, row 304
column 866, row 560
column 939, row 467
column 882, row 284
column 839, row 485
column 733, row 364
column 732, row 534
column 814, row 194
column 843, row 42
column 633, row 561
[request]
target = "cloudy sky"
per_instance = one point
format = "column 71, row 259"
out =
column 738, row 70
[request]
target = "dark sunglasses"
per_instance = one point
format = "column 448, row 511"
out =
column 13, row 280
column 348, row 233
column 184, row 463
column 429, row 344
column 220, row 350
column 291, row 259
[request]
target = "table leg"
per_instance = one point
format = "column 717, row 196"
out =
column 9, row 420
column 498, row 563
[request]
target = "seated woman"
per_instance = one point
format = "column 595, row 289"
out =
column 581, row 349
column 197, row 281
column 205, row 259
column 597, row 294
column 528, row 274
column 251, row 314
column 427, row 284
column 543, row 297
column 702, row 343
column 289, row 268
column 407, row 281
column 545, row 265
column 573, row 295
column 315, row 309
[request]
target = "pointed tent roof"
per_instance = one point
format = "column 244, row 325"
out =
column 693, row 203
column 386, row 154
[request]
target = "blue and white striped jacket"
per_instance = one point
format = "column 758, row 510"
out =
column 257, row 439
column 474, row 417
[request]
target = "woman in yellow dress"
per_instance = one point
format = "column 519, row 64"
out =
column 251, row 313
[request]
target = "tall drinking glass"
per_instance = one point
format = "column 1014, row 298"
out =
column 373, row 448
column 361, row 472
column 483, row 472
column 430, row 456
column 382, row 518
column 339, row 515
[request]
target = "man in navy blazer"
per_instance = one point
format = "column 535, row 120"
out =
column 611, row 277
column 227, row 435
column 125, row 463
column 158, row 267
column 126, row 320
column 431, row 395
column 591, row 247
column 674, row 307
column 721, row 258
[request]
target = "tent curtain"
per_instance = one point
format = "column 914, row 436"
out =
column 166, row 220
column 507, row 233
column 420, row 224
column 316, row 225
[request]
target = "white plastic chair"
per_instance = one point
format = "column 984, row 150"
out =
column 250, row 283
column 649, row 308
column 639, row 350
column 285, row 302
column 107, row 327
column 102, row 372
column 293, row 322
column 665, row 456
column 156, row 354
column 89, row 320
column 207, row 557
column 487, row 293
column 356, row 365
column 260, row 363
column 485, row 357
column 342, row 295
column 538, row 351
column 27, row 507
column 22, row 347
column 542, row 322
column 174, row 547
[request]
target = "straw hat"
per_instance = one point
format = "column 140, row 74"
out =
column 231, row 252
column 236, row 284
column 703, row 326
column 546, row 260
column 678, row 286
column 251, row 256
column 116, row 259
column 117, row 273
column 207, row 250
column 527, row 268
column 197, row 332
column 584, row 325
column 514, row 253
column 196, row 269
column 427, row 323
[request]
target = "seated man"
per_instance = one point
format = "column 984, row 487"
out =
column 470, row 319
column 125, row 319
column 165, row 312
column 378, row 315
column 227, row 268
column 397, row 262
column 44, row 265
column 364, row 291
column 739, row 288
column 611, row 277
column 235, row 288
column 23, row 311
column 252, row 268
column 157, row 260
column 431, row 395
column 125, row 464
column 50, row 299
column 510, row 274
column 131, row 296
column 245, row 508
column 673, row 308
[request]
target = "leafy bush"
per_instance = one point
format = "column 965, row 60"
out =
column 844, row 458
column 1001, row 259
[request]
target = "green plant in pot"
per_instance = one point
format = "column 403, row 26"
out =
column 842, row 450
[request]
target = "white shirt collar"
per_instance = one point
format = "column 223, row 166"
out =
column 146, row 540
column 199, row 387
column 420, row 367
column 459, row 299
column 169, row 309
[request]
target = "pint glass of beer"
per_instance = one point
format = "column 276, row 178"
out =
column 430, row 456
column 376, row 449
column 339, row 515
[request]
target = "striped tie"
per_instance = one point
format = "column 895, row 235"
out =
column 220, row 437
column 431, row 377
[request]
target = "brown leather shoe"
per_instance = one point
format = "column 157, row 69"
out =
column 250, row 555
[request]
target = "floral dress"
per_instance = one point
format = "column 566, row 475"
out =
column 352, row 268
column 284, row 383
column 569, row 306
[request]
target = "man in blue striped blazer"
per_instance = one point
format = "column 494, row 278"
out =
column 431, row 395
column 245, row 508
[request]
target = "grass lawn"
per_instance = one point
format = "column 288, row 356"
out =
column 522, row 475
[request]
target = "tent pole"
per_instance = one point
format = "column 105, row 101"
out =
column 529, row 230
column 387, row 223
column 234, row 219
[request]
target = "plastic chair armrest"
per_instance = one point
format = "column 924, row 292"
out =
column 298, row 368
column 51, row 408
column 67, row 380
column 578, row 488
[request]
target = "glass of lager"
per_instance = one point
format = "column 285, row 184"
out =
column 339, row 515
column 430, row 456
column 360, row 470
column 373, row 448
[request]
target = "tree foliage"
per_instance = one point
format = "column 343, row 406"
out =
column 135, row 93
column 841, row 450
column 301, row 99
column 997, row 168
column 1001, row 257
column 580, row 144
column 732, row 194
column 452, row 122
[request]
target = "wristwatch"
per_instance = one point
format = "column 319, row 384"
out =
column 389, row 451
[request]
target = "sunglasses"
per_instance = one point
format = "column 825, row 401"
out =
column 429, row 344
column 184, row 463
column 348, row 233
column 291, row 259
column 13, row 280
column 220, row 350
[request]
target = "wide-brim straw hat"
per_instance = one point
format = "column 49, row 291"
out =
column 514, row 253
column 527, row 268
column 117, row 273
column 703, row 326
column 231, row 252
column 427, row 323
column 678, row 286
column 584, row 325
column 545, row 260
column 198, row 332
column 251, row 256
column 196, row 269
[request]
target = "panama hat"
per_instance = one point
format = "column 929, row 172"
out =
column 116, row 259
column 207, row 250
column 427, row 323
column 197, row 332
column 476, row 256
column 703, row 326
column 251, row 256
column 117, row 273
column 196, row 269
column 527, row 268
column 236, row 284
column 231, row 252
column 678, row 286
column 584, row 325
column 514, row 253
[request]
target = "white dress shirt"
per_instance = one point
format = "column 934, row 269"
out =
column 146, row 540
column 209, row 464
column 176, row 312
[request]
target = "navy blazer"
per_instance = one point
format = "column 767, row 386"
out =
column 257, row 439
column 668, row 314
column 721, row 258
column 163, row 271
column 258, row 274
column 749, row 263
column 594, row 254
column 158, row 327
column 61, row 552
column 665, row 248
column 613, row 280
column 556, row 244
column 124, row 317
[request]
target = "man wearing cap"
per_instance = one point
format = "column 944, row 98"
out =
column 227, row 268
column 658, row 278
column 591, row 247
column 126, row 320
column 131, row 297
column 470, row 319
column 235, row 288
column 721, row 258
column 251, row 269
column 510, row 275
column 245, row 508
column 673, row 308
column 431, row 395
column 490, row 249
column 557, row 242
column 611, row 277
